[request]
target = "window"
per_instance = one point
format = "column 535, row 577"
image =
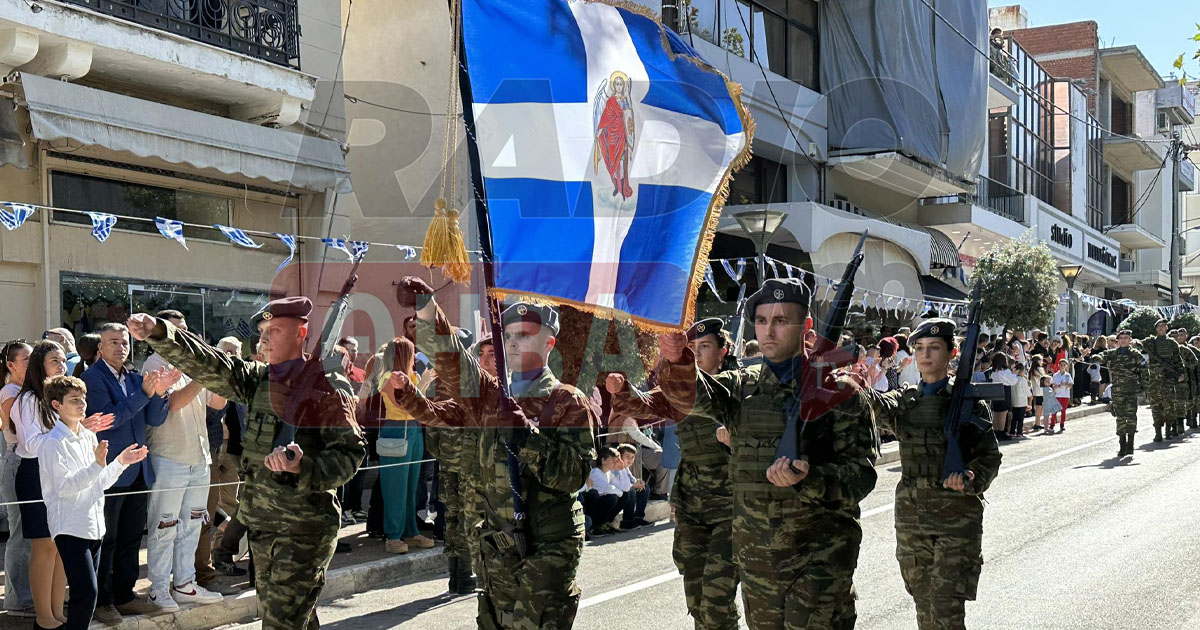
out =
column 1122, row 212
column 84, row 192
column 780, row 34
column 761, row 181
column 1022, row 136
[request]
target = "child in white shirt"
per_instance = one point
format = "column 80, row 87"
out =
column 599, row 496
column 74, row 478
column 1062, row 382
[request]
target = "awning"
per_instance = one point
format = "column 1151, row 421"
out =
column 887, row 268
column 935, row 289
column 942, row 251
column 62, row 111
column 12, row 148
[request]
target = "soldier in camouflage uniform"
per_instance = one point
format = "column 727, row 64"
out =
column 1194, row 344
column 1127, row 371
column 939, row 525
column 796, row 530
column 546, row 432
column 289, row 505
column 1186, row 391
column 1165, row 369
column 701, row 496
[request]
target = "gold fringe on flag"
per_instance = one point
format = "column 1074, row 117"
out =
column 444, row 246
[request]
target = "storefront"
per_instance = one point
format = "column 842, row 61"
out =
column 1073, row 242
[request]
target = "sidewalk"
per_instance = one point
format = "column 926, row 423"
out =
column 365, row 568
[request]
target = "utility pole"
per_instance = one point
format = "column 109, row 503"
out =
column 1176, row 154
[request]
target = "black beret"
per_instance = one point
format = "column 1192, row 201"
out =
column 705, row 327
column 939, row 327
column 1124, row 331
column 778, row 290
column 1161, row 322
column 536, row 313
column 298, row 307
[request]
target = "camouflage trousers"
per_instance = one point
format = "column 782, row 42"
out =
column 797, row 562
column 1124, row 408
column 941, row 573
column 1161, row 405
column 454, row 491
column 289, row 573
column 536, row 593
column 1183, row 400
column 703, row 553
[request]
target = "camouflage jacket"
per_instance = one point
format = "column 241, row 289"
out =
column 702, row 482
column 1190, row 363
column 841, row 443
column 554, row 461
column 1126, row 369
column 323, row 415
column 1164, row 358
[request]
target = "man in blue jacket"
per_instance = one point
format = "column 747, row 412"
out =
column 136, row 401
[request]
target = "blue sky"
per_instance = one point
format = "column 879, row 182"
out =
column 1160, row 28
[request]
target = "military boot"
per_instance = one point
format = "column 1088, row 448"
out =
column 1121, row 450
column 1129, row 444
column 452, row 567
column 466, row 581
column 1158, row 433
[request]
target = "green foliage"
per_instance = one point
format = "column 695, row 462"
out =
column 1190, row 321
column 1179, row 63
column 1141, row 322
column 1018, row 283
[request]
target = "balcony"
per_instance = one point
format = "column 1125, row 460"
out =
column 1177, row 102
column 1129, row 155
column 1002, row 82
column 1133, row 236
column 263, row 29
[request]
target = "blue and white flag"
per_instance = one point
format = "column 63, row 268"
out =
column 290, row 242
column 237, row 236
column 606, row 143
column 358, row 249
column 13, row 215
column 338, row 244
column 102, row 225
column 171, row 229
column 410, row 252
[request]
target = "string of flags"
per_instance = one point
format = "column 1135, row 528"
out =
column 1111, row 306
column 14, row 215
column 899, row 306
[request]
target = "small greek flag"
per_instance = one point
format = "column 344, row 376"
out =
column 238, row 236
column 102, row 225
column 290, row 241
column 358, row 249
column 409, row 251
column 171, row 229
column 338, row 244
column 711, row 280
column 13, row 215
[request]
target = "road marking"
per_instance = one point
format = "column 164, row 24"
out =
column 667, row 577
column 1008, row 469
column 632, row 588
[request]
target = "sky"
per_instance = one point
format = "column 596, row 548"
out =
column 1162, row 29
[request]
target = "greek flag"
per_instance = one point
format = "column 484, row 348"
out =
column 171, row 229
column 289, row 241
column 238, row 236
column 410, row 252
column 605, row 143
column 102, row 225
column 358, row 249
column 13, row 215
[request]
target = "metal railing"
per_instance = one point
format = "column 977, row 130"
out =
column 991, row 194
column 263, row 29
column 1003, row 64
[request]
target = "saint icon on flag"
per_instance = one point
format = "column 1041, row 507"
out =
column 613, row 113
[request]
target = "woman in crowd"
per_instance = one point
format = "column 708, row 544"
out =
column 1022, row 401
column 1000, row 408
column 18, row 601
column 400, row 442
column 1036, row 372
column 89, row 348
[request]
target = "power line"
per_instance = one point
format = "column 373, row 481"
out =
column 1145, row 197
column 356, row 100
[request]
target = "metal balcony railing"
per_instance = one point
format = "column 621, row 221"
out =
column 990, row 194
column 1003, row 64
column 263, row 29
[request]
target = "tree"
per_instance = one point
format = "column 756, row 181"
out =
column 1179, row 60
column 1018, row 284
column 1141, row 322
column 1189, row 321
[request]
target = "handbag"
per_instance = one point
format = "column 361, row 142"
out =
column 392, row 446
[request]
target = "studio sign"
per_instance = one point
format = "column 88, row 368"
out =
column 1102, row 255
column 1062, row 236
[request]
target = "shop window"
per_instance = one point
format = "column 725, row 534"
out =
column 84, row 192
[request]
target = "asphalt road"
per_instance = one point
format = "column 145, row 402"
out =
column 1073, row 539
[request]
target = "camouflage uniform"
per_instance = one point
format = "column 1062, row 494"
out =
column 293, row 518
column 1195, row 410
column 703, row 500
column 1164, row 366
column 1127, row 370
column 797, row 547
column 1186, row 391
column 539, row 590
column 939, row 532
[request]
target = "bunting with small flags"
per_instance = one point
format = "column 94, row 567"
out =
column 237, row 236
column 289, row 241
column 102, row 225
column 171, row 229
column 13, row 215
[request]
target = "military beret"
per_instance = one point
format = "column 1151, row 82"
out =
column 939, row 327
column 1176, row 332
column 705, row 327
column 1161, row 322
column 535, row 313
column 1124, row 331
column 779, row 291
column 297, row 306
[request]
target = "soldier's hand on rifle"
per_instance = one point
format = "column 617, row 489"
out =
column 614, row 383
column 785, row 473
column 141, row 325
column 958, row 482
column 400, row 382
column 671, row 345
column 723, row 435
column 408, row 291
column 278, row 460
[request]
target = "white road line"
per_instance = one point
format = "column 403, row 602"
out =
column 667, row 577
column 1008, row 469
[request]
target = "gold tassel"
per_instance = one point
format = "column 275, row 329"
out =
column 444, row 247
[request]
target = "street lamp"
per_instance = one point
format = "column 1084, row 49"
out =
column 760, row 226
column 1070, row 273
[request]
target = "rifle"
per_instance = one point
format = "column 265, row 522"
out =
column 740, row 318
column 962, row 426
column 331, row 361
column 826, row 357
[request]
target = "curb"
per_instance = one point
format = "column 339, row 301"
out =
column 890, row 453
